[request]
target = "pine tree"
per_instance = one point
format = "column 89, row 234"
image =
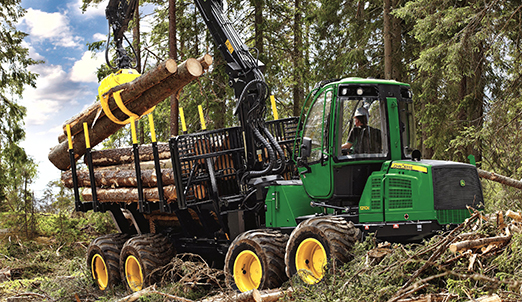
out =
column 14, row 61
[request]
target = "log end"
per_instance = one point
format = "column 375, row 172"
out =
column 206, row 60
column 59, row 156
column 171, row 66
column 194, row 67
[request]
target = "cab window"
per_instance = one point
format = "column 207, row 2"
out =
column 363, row 128
column 316, row 126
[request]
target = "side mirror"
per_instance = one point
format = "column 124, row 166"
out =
column 306, row 148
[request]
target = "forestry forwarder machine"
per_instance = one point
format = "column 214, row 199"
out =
column 267, row 200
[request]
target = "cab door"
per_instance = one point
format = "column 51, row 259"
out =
column 317, row 126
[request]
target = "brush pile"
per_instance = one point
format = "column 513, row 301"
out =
column 480, row 260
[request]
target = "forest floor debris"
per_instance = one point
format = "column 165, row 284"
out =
column 480, row 260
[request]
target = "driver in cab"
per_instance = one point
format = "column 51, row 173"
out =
column 362, row 138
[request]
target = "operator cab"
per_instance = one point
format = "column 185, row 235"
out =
column 354, row 126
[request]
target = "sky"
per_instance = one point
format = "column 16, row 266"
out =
column 58, row 34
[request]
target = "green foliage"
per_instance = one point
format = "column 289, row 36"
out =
column 509, row 264
column 15, row 166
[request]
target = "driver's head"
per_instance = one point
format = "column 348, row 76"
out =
column 361, row 117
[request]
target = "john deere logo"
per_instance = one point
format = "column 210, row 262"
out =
column 462, row 183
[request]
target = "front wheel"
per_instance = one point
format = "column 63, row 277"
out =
column 319, row 243
column 140, row 256
column 255, row 260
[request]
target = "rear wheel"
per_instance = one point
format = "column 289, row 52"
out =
column 140, row 256
column 103, row 257
column 319, row 243
column 255, row 259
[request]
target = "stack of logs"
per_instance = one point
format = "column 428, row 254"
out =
column 114, row 169
column 115, row 175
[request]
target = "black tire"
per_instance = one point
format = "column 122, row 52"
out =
column 328, row 236
column 103, row 259
column 140, row 256
column 269, row 247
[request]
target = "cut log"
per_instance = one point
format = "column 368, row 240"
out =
column 477, row 243
column 514, row 215
column 137, row 101
column 125, row 155
column 205, row 60
column 129, row 194
column 492, row 298
column 147, row 165
column 144, row 82
column 136, row 295
column 118, row 178
column 273, row 295
column 249, row 296
column 508, row 181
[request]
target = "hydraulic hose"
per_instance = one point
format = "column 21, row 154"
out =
column 279, row 150
column 271, row 156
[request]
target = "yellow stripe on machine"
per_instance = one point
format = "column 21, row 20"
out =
column 409, row 167
column 152, row 129
column 86, row 133
column 274, row 107
column 182, row 116
column 69, row 136
column 229, row 46
column 133, row 130
column 202, row 118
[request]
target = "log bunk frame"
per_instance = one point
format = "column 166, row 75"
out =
column 206, row 169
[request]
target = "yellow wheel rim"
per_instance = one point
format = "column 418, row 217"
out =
column 99, row 271
column 310, row 260
column 247, row 271
column 133, row 273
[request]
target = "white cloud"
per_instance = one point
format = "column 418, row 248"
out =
column 93, row 10
column 54, row 90
column 84, row 70
column 32, row 52
column 99, row 37
column 50, row 26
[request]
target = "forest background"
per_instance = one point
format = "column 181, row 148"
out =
column 462, row 59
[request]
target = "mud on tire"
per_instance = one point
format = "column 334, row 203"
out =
column 269, row 247
column 333, row 234
column 140, row 256
column 106, row 250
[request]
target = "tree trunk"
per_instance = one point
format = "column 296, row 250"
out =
column 258, row 25
column 500, row 179
column 137, row 101
column 136, row 36
column 129, row 194
column 397, row 53
column 387, row 40
column 477, row 243
column 118, row 178
column 298, row 86
column 173, row 54
column 125, row 155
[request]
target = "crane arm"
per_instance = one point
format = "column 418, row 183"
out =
column 251, row 90
column 119, row 13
